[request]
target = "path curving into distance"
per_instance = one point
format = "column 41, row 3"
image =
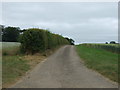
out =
column 63, row 69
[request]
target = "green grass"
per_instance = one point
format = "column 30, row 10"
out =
column 103, row 61
column 13, row 67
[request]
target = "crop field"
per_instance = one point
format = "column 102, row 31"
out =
column 115, row 48
column 99, row 58
column 10, row 48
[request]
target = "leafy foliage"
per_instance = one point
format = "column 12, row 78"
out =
column 38, row 40
column 10, row 34
column 71, row 41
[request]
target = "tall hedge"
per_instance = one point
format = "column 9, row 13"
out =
column 39, row 40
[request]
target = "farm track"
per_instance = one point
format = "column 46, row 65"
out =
column 64, row 69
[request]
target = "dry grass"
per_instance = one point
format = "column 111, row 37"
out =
column 16, row 67
column 34, row 59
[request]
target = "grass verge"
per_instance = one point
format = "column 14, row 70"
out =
column 13, row 67
column 103, row 61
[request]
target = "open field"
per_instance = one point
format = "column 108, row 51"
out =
column 115, row 48
column 98, row 59
column 9, row 44
column 10, row 48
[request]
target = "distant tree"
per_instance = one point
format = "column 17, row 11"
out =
column 1, row 29
column 112, row 42
column 67, row 38
column 71, row 41
column 10, row 34
column 106, row 42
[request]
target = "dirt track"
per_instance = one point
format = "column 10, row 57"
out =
column 63, row 69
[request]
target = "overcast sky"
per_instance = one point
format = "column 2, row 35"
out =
column 84, row 22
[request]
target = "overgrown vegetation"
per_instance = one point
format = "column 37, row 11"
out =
column 103, row 61
column 39, row 40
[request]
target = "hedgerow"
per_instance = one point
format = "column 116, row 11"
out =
column 39, row 40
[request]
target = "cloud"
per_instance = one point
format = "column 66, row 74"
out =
column 84, row 22
column 0, row 12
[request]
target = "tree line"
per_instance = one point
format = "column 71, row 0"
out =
column 9, row 34
column 12, row 34
column 33, row 39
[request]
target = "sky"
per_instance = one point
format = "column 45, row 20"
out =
column 85, row 22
